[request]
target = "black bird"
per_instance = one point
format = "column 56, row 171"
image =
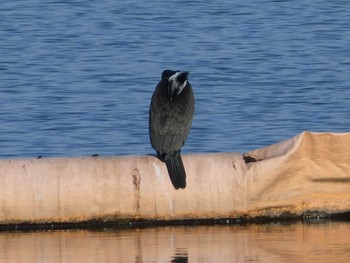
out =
column 170, row 119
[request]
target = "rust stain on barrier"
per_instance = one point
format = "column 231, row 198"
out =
column 136, row 179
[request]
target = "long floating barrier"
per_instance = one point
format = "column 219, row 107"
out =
column 307, row 173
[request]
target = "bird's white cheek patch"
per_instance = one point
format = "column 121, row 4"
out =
column 181, row 87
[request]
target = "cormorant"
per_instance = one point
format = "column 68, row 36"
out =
column 170, row 119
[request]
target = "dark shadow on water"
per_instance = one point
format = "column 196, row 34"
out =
column 98, row 224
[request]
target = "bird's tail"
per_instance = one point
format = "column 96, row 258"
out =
column 176, row 170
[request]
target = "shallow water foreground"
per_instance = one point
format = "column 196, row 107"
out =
column 298, row 242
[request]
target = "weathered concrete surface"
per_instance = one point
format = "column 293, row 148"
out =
column 310, row 172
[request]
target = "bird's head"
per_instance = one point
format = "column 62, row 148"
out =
column 177, row 81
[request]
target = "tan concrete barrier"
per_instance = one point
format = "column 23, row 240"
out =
column 310, row 172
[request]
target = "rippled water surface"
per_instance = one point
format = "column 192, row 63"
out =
column 328, row 242
column 76, row 77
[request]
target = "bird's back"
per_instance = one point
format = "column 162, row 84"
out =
column 170, row 120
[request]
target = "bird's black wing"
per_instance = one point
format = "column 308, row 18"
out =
column 170, row 121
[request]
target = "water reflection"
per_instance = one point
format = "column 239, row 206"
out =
column 252, row 243
column 181, row 256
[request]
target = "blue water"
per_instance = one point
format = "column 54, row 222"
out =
column 76, row 77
